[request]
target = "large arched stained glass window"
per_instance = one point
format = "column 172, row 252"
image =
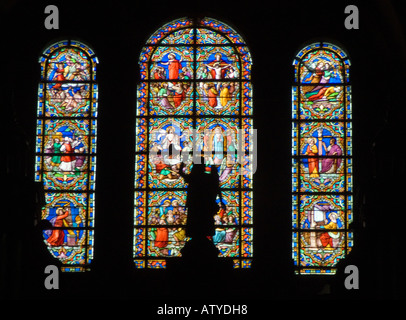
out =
column 195, row 95
column 321, row 159
column 66, row 150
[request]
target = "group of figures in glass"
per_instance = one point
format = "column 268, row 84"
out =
column 216, row 143
column 167, row 220
column 195, row 97
column 217, row 86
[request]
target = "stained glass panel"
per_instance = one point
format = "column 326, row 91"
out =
column 171, row 63
column 163, row 168
column 195, row 97
column 66, row 151
column 171, row 98
column 321, row 159
column 73, row 100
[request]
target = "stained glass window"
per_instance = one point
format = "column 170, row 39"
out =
column 66, row 151
column 321, row 159
column 195, row 95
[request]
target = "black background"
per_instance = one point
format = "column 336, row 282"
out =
column 274, row 32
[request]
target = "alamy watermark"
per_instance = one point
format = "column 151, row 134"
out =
column 52, row 280
column 233, row 149
column 352, row 20
column 352, row 280
column 51, row 21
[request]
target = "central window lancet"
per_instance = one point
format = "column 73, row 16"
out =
column 194, row 96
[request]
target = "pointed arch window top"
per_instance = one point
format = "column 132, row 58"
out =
column 326, row 52
column 169, row 28
column 72, row 52
column 184, row 27
column 193, row 40
column 320, row 45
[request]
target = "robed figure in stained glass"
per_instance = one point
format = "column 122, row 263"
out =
column 68, row 159
column 174, row 66
column 57, row 236
column 313, row 163
column 330, row 165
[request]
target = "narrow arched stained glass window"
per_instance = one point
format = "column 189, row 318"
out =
column 195, row 95
column 321, row 159
column 66, row 150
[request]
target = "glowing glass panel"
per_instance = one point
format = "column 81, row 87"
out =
column 321, row 159
column 66, row 151
column 195, row 94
